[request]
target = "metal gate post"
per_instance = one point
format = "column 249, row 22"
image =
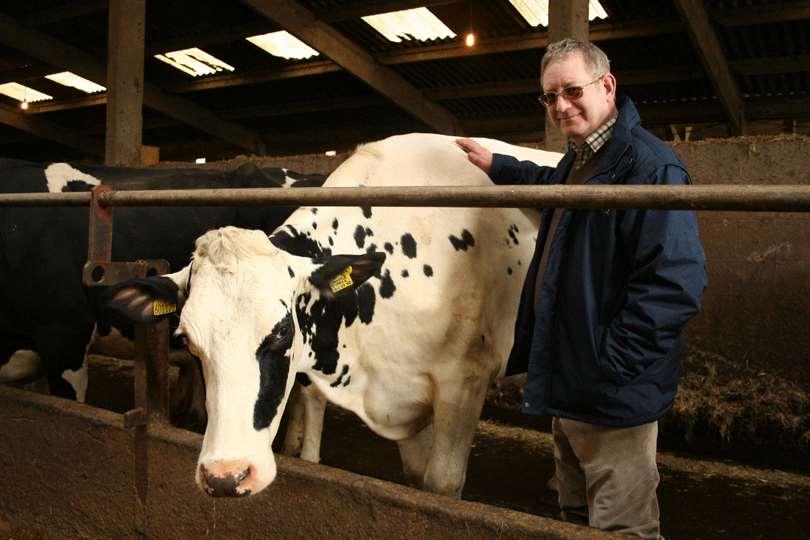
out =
column 150, row 370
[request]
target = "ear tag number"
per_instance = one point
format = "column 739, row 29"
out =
column 341, row 281
column 162, row 307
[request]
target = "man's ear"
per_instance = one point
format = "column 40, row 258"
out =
column 344, row 273
column 140, row 300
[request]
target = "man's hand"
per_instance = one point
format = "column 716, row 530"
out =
column 477, row 154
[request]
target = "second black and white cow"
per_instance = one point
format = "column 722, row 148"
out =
column 46, row 320
column 401, row 315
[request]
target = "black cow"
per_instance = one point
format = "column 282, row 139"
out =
column 42, row 251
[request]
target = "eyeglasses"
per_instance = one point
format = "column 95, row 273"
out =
column 572, row 93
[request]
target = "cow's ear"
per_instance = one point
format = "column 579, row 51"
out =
column 140, row 300
column 344, row 273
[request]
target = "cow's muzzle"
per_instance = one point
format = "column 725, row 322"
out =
column 227, row 478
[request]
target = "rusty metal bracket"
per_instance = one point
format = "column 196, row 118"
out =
column 151, row 380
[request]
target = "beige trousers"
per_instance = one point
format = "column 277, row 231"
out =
column 607, row 477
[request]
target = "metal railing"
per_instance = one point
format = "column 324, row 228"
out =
column 749, row 198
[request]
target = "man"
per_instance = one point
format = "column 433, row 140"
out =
column 606, row 297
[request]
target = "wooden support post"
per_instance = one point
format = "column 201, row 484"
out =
column 566, row 19
column 125, row 82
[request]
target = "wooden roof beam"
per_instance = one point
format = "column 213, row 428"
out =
column 707, row 45
column 70, row 10
column 324, row 38
column 752, row 15
column 58, row 53
column 48, row 130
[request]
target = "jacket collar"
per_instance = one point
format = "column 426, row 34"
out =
column 613, row 150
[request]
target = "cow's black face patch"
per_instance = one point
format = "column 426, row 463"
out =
column 366, row 211
column 297, row 243
column 466, row 241
column 389, row 248
column 321, row 322
column 408, row 245
column 274, row 367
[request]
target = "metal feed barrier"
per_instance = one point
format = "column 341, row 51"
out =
column 151, row 364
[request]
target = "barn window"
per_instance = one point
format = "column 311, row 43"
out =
column 536, row 11
column 194, row 61
column 419, row 24
column 284, row 45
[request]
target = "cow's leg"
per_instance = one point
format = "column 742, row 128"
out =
column 456, row 410
column 415, row 453
column 306, row 409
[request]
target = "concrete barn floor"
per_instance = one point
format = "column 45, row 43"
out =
column 509, row 466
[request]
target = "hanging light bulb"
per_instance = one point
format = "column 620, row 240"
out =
column 470, row 39
column 24, row 105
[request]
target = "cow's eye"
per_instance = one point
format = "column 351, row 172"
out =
column 282, row 335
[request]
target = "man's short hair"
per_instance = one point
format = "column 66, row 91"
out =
column 595, row 58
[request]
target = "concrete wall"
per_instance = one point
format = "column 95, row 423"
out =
column 757, row 305
column 67, row 473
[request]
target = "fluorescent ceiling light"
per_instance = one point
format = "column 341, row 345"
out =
column 22, row 93
column 284, row 45
column 536, row 11
column 418, row 23
column 194, row 61
column 199, row 160
column 66, row 78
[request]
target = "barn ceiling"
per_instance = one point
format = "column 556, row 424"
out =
column 721, row 66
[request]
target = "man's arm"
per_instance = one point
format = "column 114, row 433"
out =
column 663, row 292
column 504, row 169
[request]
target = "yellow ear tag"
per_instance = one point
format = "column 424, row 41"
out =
column 162, row 307
column 341, row 281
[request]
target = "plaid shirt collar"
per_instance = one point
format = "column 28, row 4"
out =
column 592, row 144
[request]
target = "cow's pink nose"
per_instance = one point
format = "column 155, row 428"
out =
column 227, row 478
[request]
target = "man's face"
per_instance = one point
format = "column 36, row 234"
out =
column 578, row 118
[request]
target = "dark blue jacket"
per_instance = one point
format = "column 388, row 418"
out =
column 602, row 344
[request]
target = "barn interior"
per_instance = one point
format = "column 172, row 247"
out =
column 696, row 69
column 725, row 82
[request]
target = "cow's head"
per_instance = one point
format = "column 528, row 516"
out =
column 244, row 298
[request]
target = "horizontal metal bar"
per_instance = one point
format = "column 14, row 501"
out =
column 775, row 198
column 45, row 199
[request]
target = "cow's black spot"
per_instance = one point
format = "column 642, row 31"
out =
column 466, row 241
column 408, row 245
column 290, row 270
column 314, row 210
column 369, row 232
column 314, row 225
column 365, row 303
column 335, row 224
column 509, row 270
column 339, row 380
column 428, row 270
column 302, row 379
column 366, row 211
column 360, row 236
column 387, row 286
column 295, row 243
column 389, row 248
column 513, row 236
column 274, row 367
column 405, row 273
column 331, row 242
column 371, row 248
column 347, row 381
column 321, row 322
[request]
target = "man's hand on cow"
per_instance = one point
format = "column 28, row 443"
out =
column 477, row 154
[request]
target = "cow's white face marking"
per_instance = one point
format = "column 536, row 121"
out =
column 238, row 320
column 59, row 174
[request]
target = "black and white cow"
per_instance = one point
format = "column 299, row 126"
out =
column 47, row 319
column 402, row 315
